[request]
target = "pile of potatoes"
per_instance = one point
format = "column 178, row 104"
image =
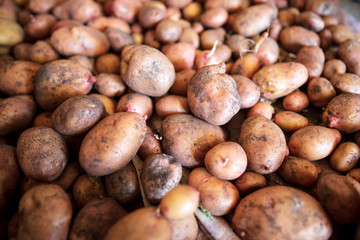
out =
column 179, row 119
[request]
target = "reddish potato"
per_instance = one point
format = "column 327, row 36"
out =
column 42, row 52
column 295, row 37
column 151, row 14
column 249, row 92
column 345, row 156
column 261, row 108
column 349, row 53
column 171, row 104
column 296, row 101
column 332, row 67
column 181, row 55
column 320, row 91
column 81, row 10
column 39, row 27
column 168, row 31
column 124, row 9
column 313, row 59
column 110, row 85
column 150, row 145
column 119, row 39
column 190, row 36
column 182, row 79
column 214, row 17
column 108, row 63
column 135, row 102
column 310, row 20
column 102, row 23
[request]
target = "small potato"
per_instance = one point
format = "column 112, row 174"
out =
column 43, row 119
column 45, row 212
column 81, row 10
column 330, row 21
column 108, row 102
column 168, row 31
column 110, row 85
column 189, row 35
column 261, row 108
column 288, row 16
column 159, row 174
column 95, row 219
column 349, row 53
column 123, row 185
column 150, row 145
column 185, row 228
column 144, row 223
column 223, row 52
column 249, row 92
column 87, row 188
column 21, row 51
column 342, row 113
column 209, row 37
column 207, row 58
column 150, row 39
column 249, row 182
column 11, row 32
column 320, row 91
column 84, row 61
column 182, row 79
column 295, row 37
column 264, row 144
column 42, row 153
column 226, row 160
column 325, row 39
column 192, row 10
column 181, row 55
column 124, row 9
column 64, row 23
column 346, row 82
column 345, row 156
column 213, row 95
column 171, row 104
column 118, row 39
column 41, row 6
column 313, row 59
column 39, row 27
column 311, row 21
column 298, row 172
column 177, row 3
column 313, row 142
column 290, row 121
column 332, row 67
column 108, row 63
column 135, row 102
column 101, row 23
column 247, row 65
column 354, row 173
column 340, row 33
column 214, row 17
column 77, row 115
column 296, row 101
column 42, row 52
column 268, row 51
column 151, row 14
column 16, row 113
column 237, row 43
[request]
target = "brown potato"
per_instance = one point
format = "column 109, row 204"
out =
column 42, row 153
column 135, row 102
column 295, row 101
column 108, row 102
column 320, row 91
column 42, row 52
column 108, row 63
column 84, row 61
column 298, row 172
column 102, row 23
column 16, row 113
column 81, row 10
column 150, row 145
column 290, row 121
column 21, row 51
column 313, row 142
column 249, row 182
column 138, row 72
column 45, row 212
column 41, row 6
column 339, row 197
column 192, row 10
column 110, row 85
column 112, row 143
column 185, row 228
column 189, row 35
column 206, row 58
column 345, row 156
column 313, row 59
column 325, row 39
column 144, row 223
column 124, row 9
column 159, row 174
column 249, row 92
column 296, row 213
column 123, row 185
column 214, row 17
column 68, row 176
column 168, row 31
column 181, row 55
column 212, row 95
column 59, row 80
column 151, row 14
column 182, row 79
column 311, row 21
column 340, row 33
column 321, row 7
column 10, row 173
column 288, row 16
column 346, row 82
column 171, row 104
column 264, row 144
column 188, row 139
column 247, row 65
column 354, row 173
column 223, row 52
column 295, row 37
column 332, row 67
column 349, row 54
column 268, row 50
column 119, row 39
column 77, row 115
column 342, row 113
column 95, row 219
column 209, row 36
column 40, row 26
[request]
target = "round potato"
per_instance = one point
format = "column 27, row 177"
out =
column 11, row 32
column 249, row 182
column 313, row 59
column 150, row 145
column 171, row 104
column 110, row 85
column 296, row 101
column 136, row 102
column 345, row 156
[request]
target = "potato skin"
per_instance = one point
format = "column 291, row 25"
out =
column 313, row 59
column 112, row 143
column 349, row 53
column 346, row 82
column 296, row 101
column 188, row 138
column 290, row 121
column 264, row 144
column 281, row 212
column 42, row 153
column 184, row 229
column 249, row 92
column 171, row 104
column 345, row 156
column 320, row 91
column 150, row 145
column 16, row 113
column 249, row 182
column 140, row 71
column 45, row 213
column 95, row 218
column 295, row 37
column 11, row 32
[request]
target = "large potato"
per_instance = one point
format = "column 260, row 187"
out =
column 112, row 143
column 188, row 138
column 280, row 79
column 295, row 37
column 349, row 52
column 264, row 144
column 313, row 59
column 282, row 213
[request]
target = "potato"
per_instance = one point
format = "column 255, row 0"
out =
column 311, row 21
column 181, row 55
column 108, row 102
column 150, row 145
column 354, row 173
column 313, row 142
column 346, row 82
column 342, row 113
column 349, row 54
column 219, row 197
column 295, row 37
column 171, row 104
column 207, row 58
column 87, row 188
column 151, row 14
column 177, row 3
column 17, row 77
column 223, row 52
column 213, row 96
column 84, row 61
column 95, row 218
column 21, row 51
column 345, row 156
column 340, row 33
column 81, row 10
column 124, row 9
column 105, row 148
column 268, row 50
column 189, row 35
column 249, row 23
column 123, row 185
column 249, row 182
column 40, row 26
column 249, row 92
column 11, row 32
column 280, row 79
column 101, row 23
column 10, row 173
column 145, row 223
column 168, row 31
column 135, row 102
column 188, row 138
column 42, row 52
column 214, row 17
column 150, row 39
column 110, row 85
column 320, row 91
column 321, row 7
column 246, row 65
column 288, row 16
column 45, row 212
column 41, row 6
column 261, row 108
column 186, row 228
column 77, row 115
column 118, row 39
column 65, row 23
column 192, row 10
column 16, row 113
column 264, row 144
column 295, row 214
column 325, row 39
column 140, row 71
column 59, row 80
column 339, row 197
column 313, row 59
column 42, row 153
column 108, row 63
column 295, row 101
column 68, row 176
column 226, row 160
column 159, row 174
column 229, row 5
column 290, row 121
column 79, row 40
column 332, row 67
column 209, row 36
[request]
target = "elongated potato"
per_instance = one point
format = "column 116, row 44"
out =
column 150, row 145
column 345, row 156
column 346, row 82
column 320, row 91
column 280, row 79
column 171, row 104
column 290, row 121
column 249, row 182
column 112, row 143
column 295, row 37
column 349, row 53
column 313, row 59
